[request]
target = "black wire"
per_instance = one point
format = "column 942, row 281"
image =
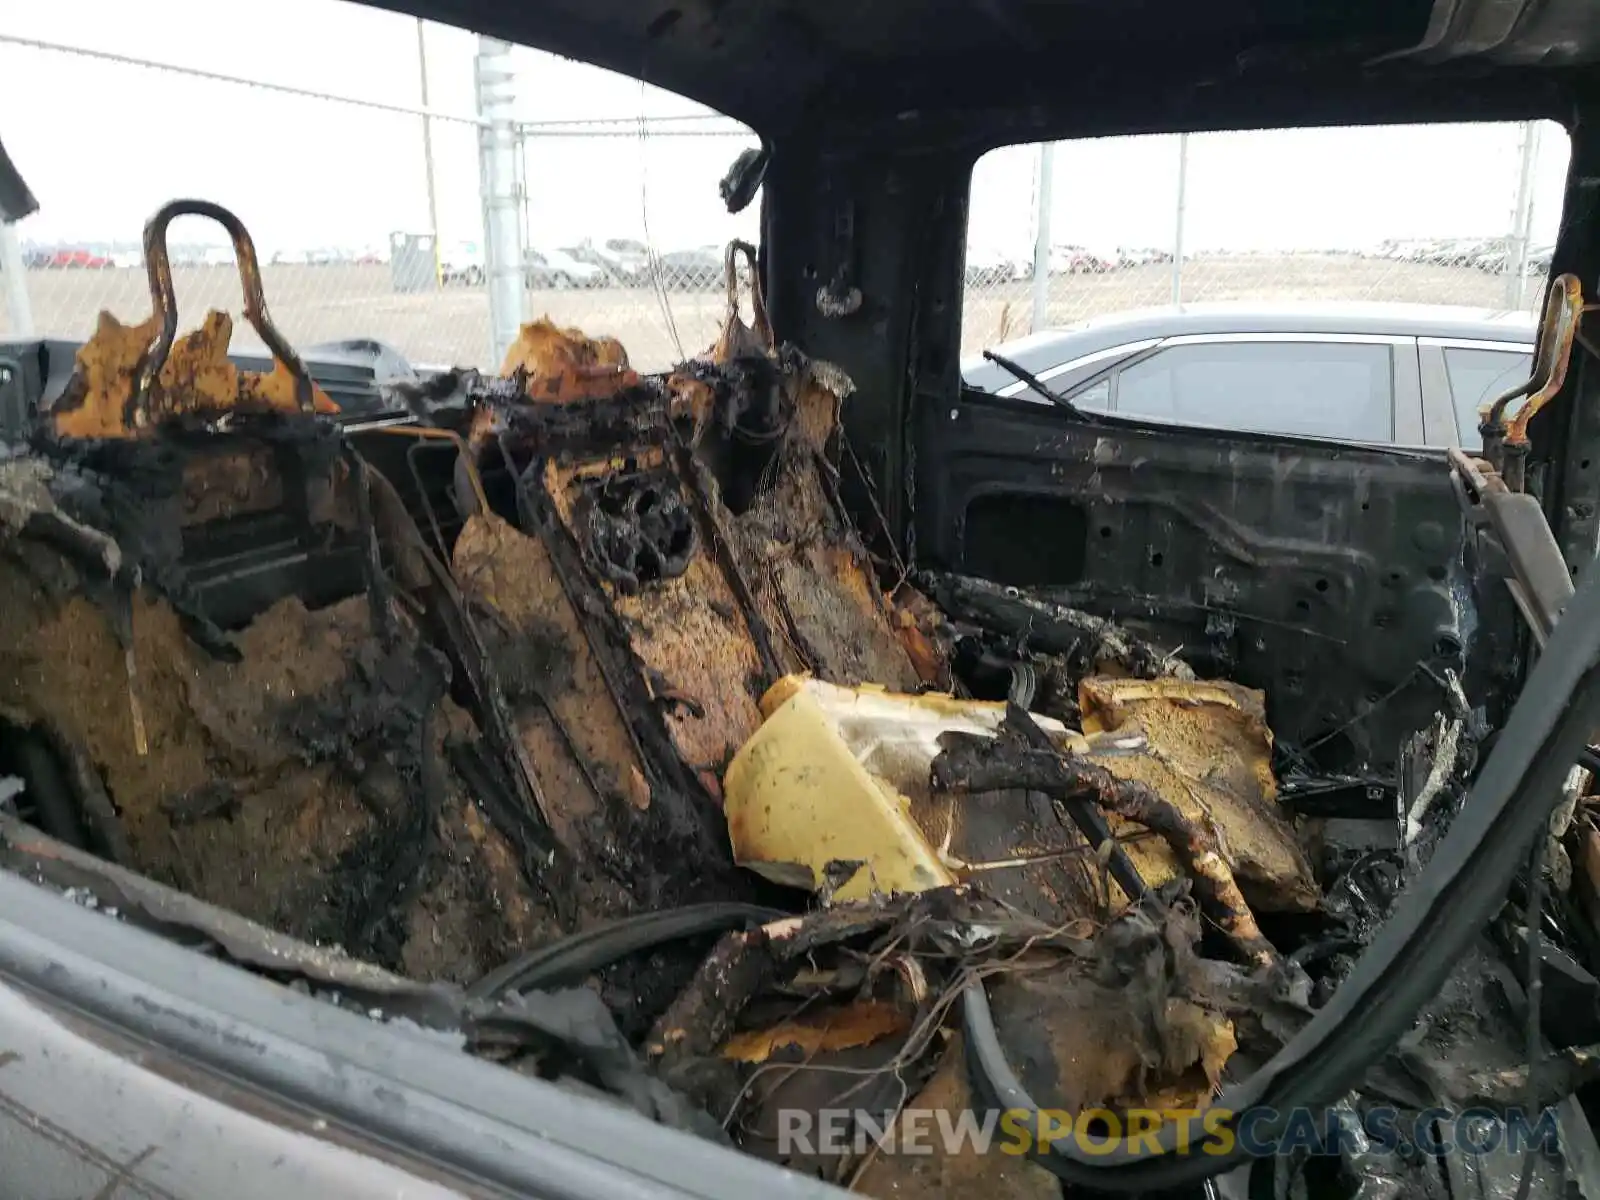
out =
column 571, row 958
column 1535, row 992
column 1442, row 911
column 1085, row 814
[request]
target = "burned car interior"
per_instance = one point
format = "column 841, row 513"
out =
column 797, row 730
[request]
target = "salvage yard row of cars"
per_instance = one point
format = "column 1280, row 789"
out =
column 628, row 262
column 557, row 779
column 615, row 262
column 619, row 262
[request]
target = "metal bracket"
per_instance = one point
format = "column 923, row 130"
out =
column 840, row 297
column 163, row 299
column 1505, row 439
column 1534, row 570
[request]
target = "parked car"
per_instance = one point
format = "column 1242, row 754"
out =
column 560, row 271
column 1452, row 251
column 987, row 266
column 77, row 257
column 1140, row 256
column 624, row 260
column 585, row 252
column 695, row 270
column 462, row 263
column 1386, row 374
column 1464, row 252
column 1498, row 260
column 1077, row 260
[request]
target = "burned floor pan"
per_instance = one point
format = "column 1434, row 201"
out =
column 307, row 767
column 302, row 786
column 714, row 604
column 311, row 771
column 501, row 740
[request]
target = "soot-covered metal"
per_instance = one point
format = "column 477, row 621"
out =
column 573, row 716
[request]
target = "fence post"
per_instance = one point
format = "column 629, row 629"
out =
column 13, row 271
column 1521, row 218
column 502, row 233
column 1041, row 237
column 1177, row 232
column 427, row 154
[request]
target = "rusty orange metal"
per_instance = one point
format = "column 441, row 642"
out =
column 559, row 366
column 99, row 397
column 510, row 574
column 1563, row 312
column 1206, row 748
column 738, row 340
column 691, row 632
column 130, row 378
column 859, row 1023
column 307, row 396
column 243, row 479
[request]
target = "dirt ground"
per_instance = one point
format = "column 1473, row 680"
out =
column 314, row 304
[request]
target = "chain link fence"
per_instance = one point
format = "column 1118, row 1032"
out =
column 623, row 227
column 325, row 188
column 651, row 242
column 369, row 216
column 1440, row 215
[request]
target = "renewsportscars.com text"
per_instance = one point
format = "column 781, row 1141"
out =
column 1435, row 1131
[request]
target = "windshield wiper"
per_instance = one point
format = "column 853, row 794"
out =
column 1031, row 381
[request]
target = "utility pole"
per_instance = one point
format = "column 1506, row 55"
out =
column 1041, row 237
column 1521, row 218
column 502, row 226
column 1177, row 233
column 11, row 272
column 427, row 151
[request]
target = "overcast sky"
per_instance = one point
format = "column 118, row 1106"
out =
column 103, row 144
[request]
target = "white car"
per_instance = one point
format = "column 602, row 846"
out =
column 987, row 266
column 626, row 260
column 462, row 263
column 1395, row 374
column 559, row 270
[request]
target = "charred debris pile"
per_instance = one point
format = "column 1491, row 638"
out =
column 570, row 712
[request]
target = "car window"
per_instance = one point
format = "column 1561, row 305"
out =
column 1093, row 397
column 1478, row 376
column 1316, row 389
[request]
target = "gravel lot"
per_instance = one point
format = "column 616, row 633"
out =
column 994, row 315
column 324, row 303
